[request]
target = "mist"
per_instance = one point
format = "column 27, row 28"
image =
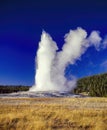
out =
column 51, row 62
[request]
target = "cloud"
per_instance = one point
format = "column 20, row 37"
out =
column 104, row 65
column 105, row 43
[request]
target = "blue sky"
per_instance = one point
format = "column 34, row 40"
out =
column 21, row 24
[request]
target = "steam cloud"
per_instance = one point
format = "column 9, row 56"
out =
column 51, row 64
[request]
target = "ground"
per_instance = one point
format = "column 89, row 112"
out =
column 53, row 113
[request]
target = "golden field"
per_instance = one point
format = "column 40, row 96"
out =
column 53, row 113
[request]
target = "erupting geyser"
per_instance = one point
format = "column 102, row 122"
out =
column 51, row 64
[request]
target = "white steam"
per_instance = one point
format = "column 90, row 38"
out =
column 95, row 39
column 51, row 65
column 45, row 58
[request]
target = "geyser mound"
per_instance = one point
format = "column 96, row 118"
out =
column 51, row 62
column 43, row 94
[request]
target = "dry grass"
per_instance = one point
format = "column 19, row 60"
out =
column 53, row 114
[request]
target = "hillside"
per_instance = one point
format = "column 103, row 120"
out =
column 95, row 85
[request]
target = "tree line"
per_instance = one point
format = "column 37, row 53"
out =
column 94, row 85
column 13, row 88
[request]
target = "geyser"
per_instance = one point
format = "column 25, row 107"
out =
column 51, row 64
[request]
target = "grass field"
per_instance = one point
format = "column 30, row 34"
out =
column 53, row 114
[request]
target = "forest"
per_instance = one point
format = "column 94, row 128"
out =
column 95, row 86
column 13, row 88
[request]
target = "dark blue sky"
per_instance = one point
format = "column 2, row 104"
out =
column 21, row 24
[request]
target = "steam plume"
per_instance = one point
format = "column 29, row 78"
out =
column 51, row 65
